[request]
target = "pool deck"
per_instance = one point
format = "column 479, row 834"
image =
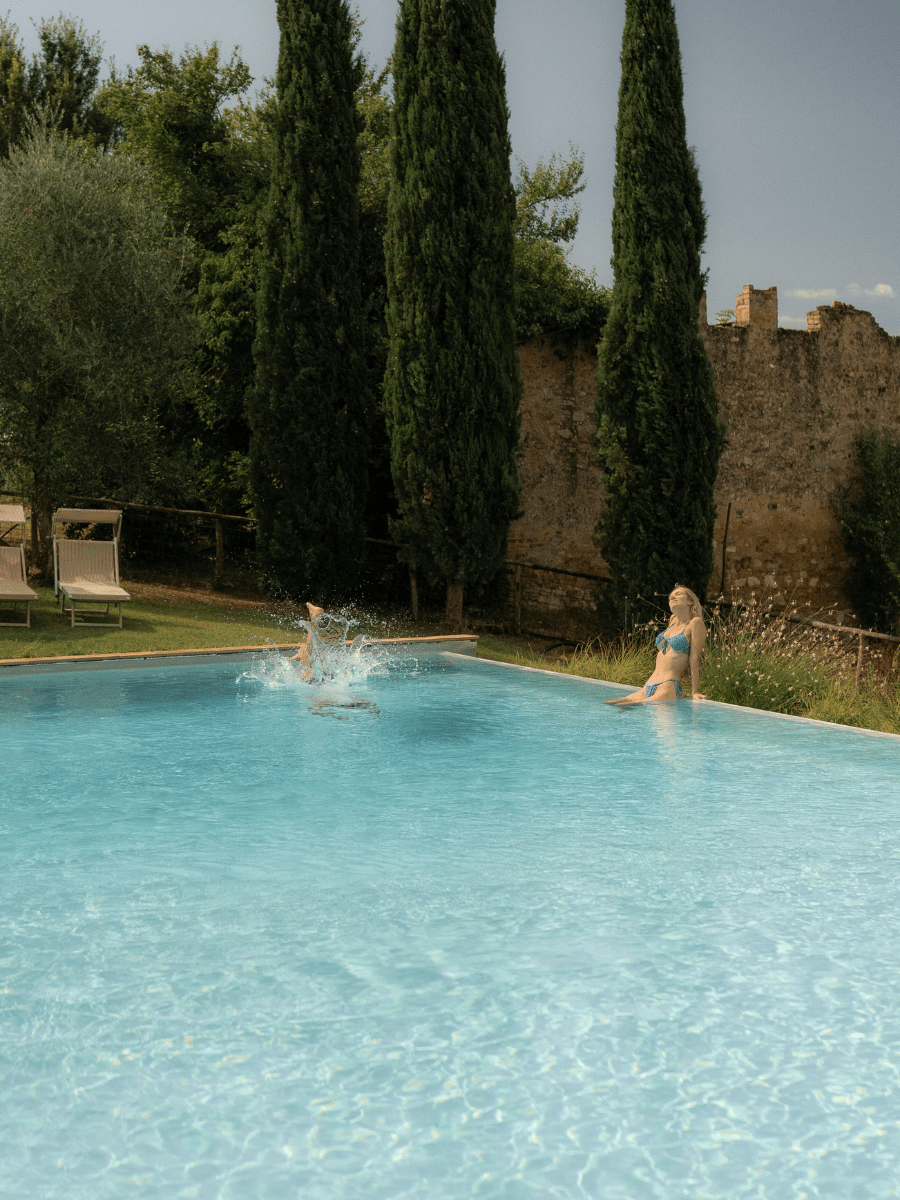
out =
column 459, row 643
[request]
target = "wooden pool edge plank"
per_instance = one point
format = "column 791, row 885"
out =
column 466, row 645
column 758, row 712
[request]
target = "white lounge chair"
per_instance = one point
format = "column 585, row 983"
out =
column 14, row 589
column 85, row 572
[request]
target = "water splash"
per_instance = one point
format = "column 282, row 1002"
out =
column 334, row 666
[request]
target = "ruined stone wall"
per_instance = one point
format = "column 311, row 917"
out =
column 561, row 495
column 793, row 402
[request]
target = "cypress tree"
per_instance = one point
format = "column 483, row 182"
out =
column 308, row 412
column 658, row 436
column 452, row 385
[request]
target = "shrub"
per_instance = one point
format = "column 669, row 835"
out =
column 763, row 663
column 870, row 516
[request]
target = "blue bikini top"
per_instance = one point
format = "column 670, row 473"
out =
column 678, row 642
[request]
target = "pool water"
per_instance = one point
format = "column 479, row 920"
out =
column 442, row 931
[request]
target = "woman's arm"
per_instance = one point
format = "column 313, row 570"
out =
column 698, row 641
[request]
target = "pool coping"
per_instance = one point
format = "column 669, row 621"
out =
column 759, row 712
column 466, row 644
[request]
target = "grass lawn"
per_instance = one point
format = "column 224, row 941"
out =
column 153, row 620
column 161, row 617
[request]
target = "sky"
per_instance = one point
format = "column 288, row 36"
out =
column 792, row 107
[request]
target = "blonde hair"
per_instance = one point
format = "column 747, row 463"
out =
column 696, row 607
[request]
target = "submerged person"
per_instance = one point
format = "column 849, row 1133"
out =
column 679, row 648
column 303, row 653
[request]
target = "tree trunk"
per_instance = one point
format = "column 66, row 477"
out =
column 413, row 591
column 42, row 528
column 455, row 606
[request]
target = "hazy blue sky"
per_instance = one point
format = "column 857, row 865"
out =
column 793, row 108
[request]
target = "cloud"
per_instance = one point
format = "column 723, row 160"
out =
column 784, row 320
column 880, row 289
column 812, row 294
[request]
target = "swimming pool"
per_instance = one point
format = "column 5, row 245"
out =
column 445, row 931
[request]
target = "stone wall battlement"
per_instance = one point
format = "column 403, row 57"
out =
column 793, row 403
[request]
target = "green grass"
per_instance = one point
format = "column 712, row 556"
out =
column 628, row 662
column 160, row 625
column 867, row 707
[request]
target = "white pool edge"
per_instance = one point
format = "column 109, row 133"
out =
column 629, row 687
column 465, row 647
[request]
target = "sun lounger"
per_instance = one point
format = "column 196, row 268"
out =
column 11, row 515
column 88, row 573
column 14, row 589
column 90, row 516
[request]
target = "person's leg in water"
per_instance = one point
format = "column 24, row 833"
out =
column 650, row 693
column 303, row 652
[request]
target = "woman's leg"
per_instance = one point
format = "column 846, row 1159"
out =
column 632, row 698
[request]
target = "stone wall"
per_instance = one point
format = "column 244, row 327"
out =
column 561, row 495
column 793, row 401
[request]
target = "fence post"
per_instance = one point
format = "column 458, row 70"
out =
column 413, row 591
column 517, row 599
column 220, row 552
column 859, row 657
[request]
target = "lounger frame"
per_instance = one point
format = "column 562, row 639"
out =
column 14, row 589
column 92, row 582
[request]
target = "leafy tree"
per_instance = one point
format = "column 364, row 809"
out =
column 309, row 411
column 61, row 79
column 659, row 440
column 170, row 115
column 553, row 296
column 14, row 86
column 374, row 107
column 94, row 321
column 870, row 517
column 452, row 386
column 546, row 209
column 209, row 165
column 226, row 309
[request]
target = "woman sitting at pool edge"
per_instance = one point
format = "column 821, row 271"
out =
column 679, row 647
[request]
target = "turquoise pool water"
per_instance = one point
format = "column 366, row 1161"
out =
column 439, row 933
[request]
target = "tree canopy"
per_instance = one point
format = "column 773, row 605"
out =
column 310, row 409
column 452, row 385
column 95, row 322
column 61, row 79
column 170, row 114
column 658, row 437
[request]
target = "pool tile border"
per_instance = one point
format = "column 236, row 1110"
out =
column 466, row 643
column 758, row 712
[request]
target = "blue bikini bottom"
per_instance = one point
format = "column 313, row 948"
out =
column 650, row 688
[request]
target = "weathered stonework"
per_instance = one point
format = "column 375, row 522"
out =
column 561, row 493
column 793, row 402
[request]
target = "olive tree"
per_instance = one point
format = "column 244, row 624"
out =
column 95, row 323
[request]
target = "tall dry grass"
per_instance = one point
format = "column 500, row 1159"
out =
column 764, row 660
column 627, row 661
